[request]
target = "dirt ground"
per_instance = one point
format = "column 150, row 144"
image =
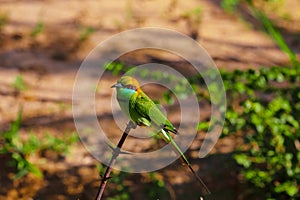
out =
column 48, row 61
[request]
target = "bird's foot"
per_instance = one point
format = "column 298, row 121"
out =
column 131, row 125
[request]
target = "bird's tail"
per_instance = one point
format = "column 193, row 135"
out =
column 199, row 179
column 166, row 136
column 185, row 160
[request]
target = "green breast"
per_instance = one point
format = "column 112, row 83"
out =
column 124, row 96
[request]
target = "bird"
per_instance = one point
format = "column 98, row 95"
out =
column 142, row 111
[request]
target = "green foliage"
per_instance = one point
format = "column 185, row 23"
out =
column 85, row 33
column 264, row 107
column 268, row 118
column 3, row 19
column 203, row 126
column 120, row 190
column 156, row 188
column 19, row 83
column 18, row 150
column 38, row 29
column 229, row 5
column 193, row 20
column 115, row 67
column 194, row 14
column 21, row 150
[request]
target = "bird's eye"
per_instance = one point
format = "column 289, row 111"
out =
column 132, row 87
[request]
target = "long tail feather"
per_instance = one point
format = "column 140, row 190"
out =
column 185, row 160
column 167, row 137
column 199, row 179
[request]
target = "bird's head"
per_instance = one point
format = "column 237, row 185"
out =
column 127, row 82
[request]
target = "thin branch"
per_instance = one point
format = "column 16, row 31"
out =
column 116, row 153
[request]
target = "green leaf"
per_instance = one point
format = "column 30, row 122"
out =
column 229, row 5
column 243, row 160
column 20, row 173
column 169, row 99
column 203, row 126
column 288, row 187
column 34, row 170
column 39, row 27
column 19, row 83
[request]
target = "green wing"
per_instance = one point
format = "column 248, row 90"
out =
column 138, row 115
column 147, row 111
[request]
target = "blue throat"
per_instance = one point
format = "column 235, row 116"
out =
column 124, row 94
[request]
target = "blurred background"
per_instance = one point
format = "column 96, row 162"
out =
column 254, row 43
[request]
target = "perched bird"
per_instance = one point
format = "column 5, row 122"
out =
column 142, row 111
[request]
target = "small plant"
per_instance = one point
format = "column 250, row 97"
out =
column 115, row 67
column 63, row 106
column 157, row 188
column 3, row 19
column 20, row 150
column 230, row 5
column 193, row 21
column 38, row 29
column 19, row 84
column 85, row 33
column 119, row 190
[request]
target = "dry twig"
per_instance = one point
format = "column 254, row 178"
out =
column 116, row 153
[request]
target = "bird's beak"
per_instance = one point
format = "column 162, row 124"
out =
column 117, row 85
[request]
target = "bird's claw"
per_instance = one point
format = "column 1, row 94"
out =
column 131, row 125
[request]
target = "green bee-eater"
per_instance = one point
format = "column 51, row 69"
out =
column 142, row 111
